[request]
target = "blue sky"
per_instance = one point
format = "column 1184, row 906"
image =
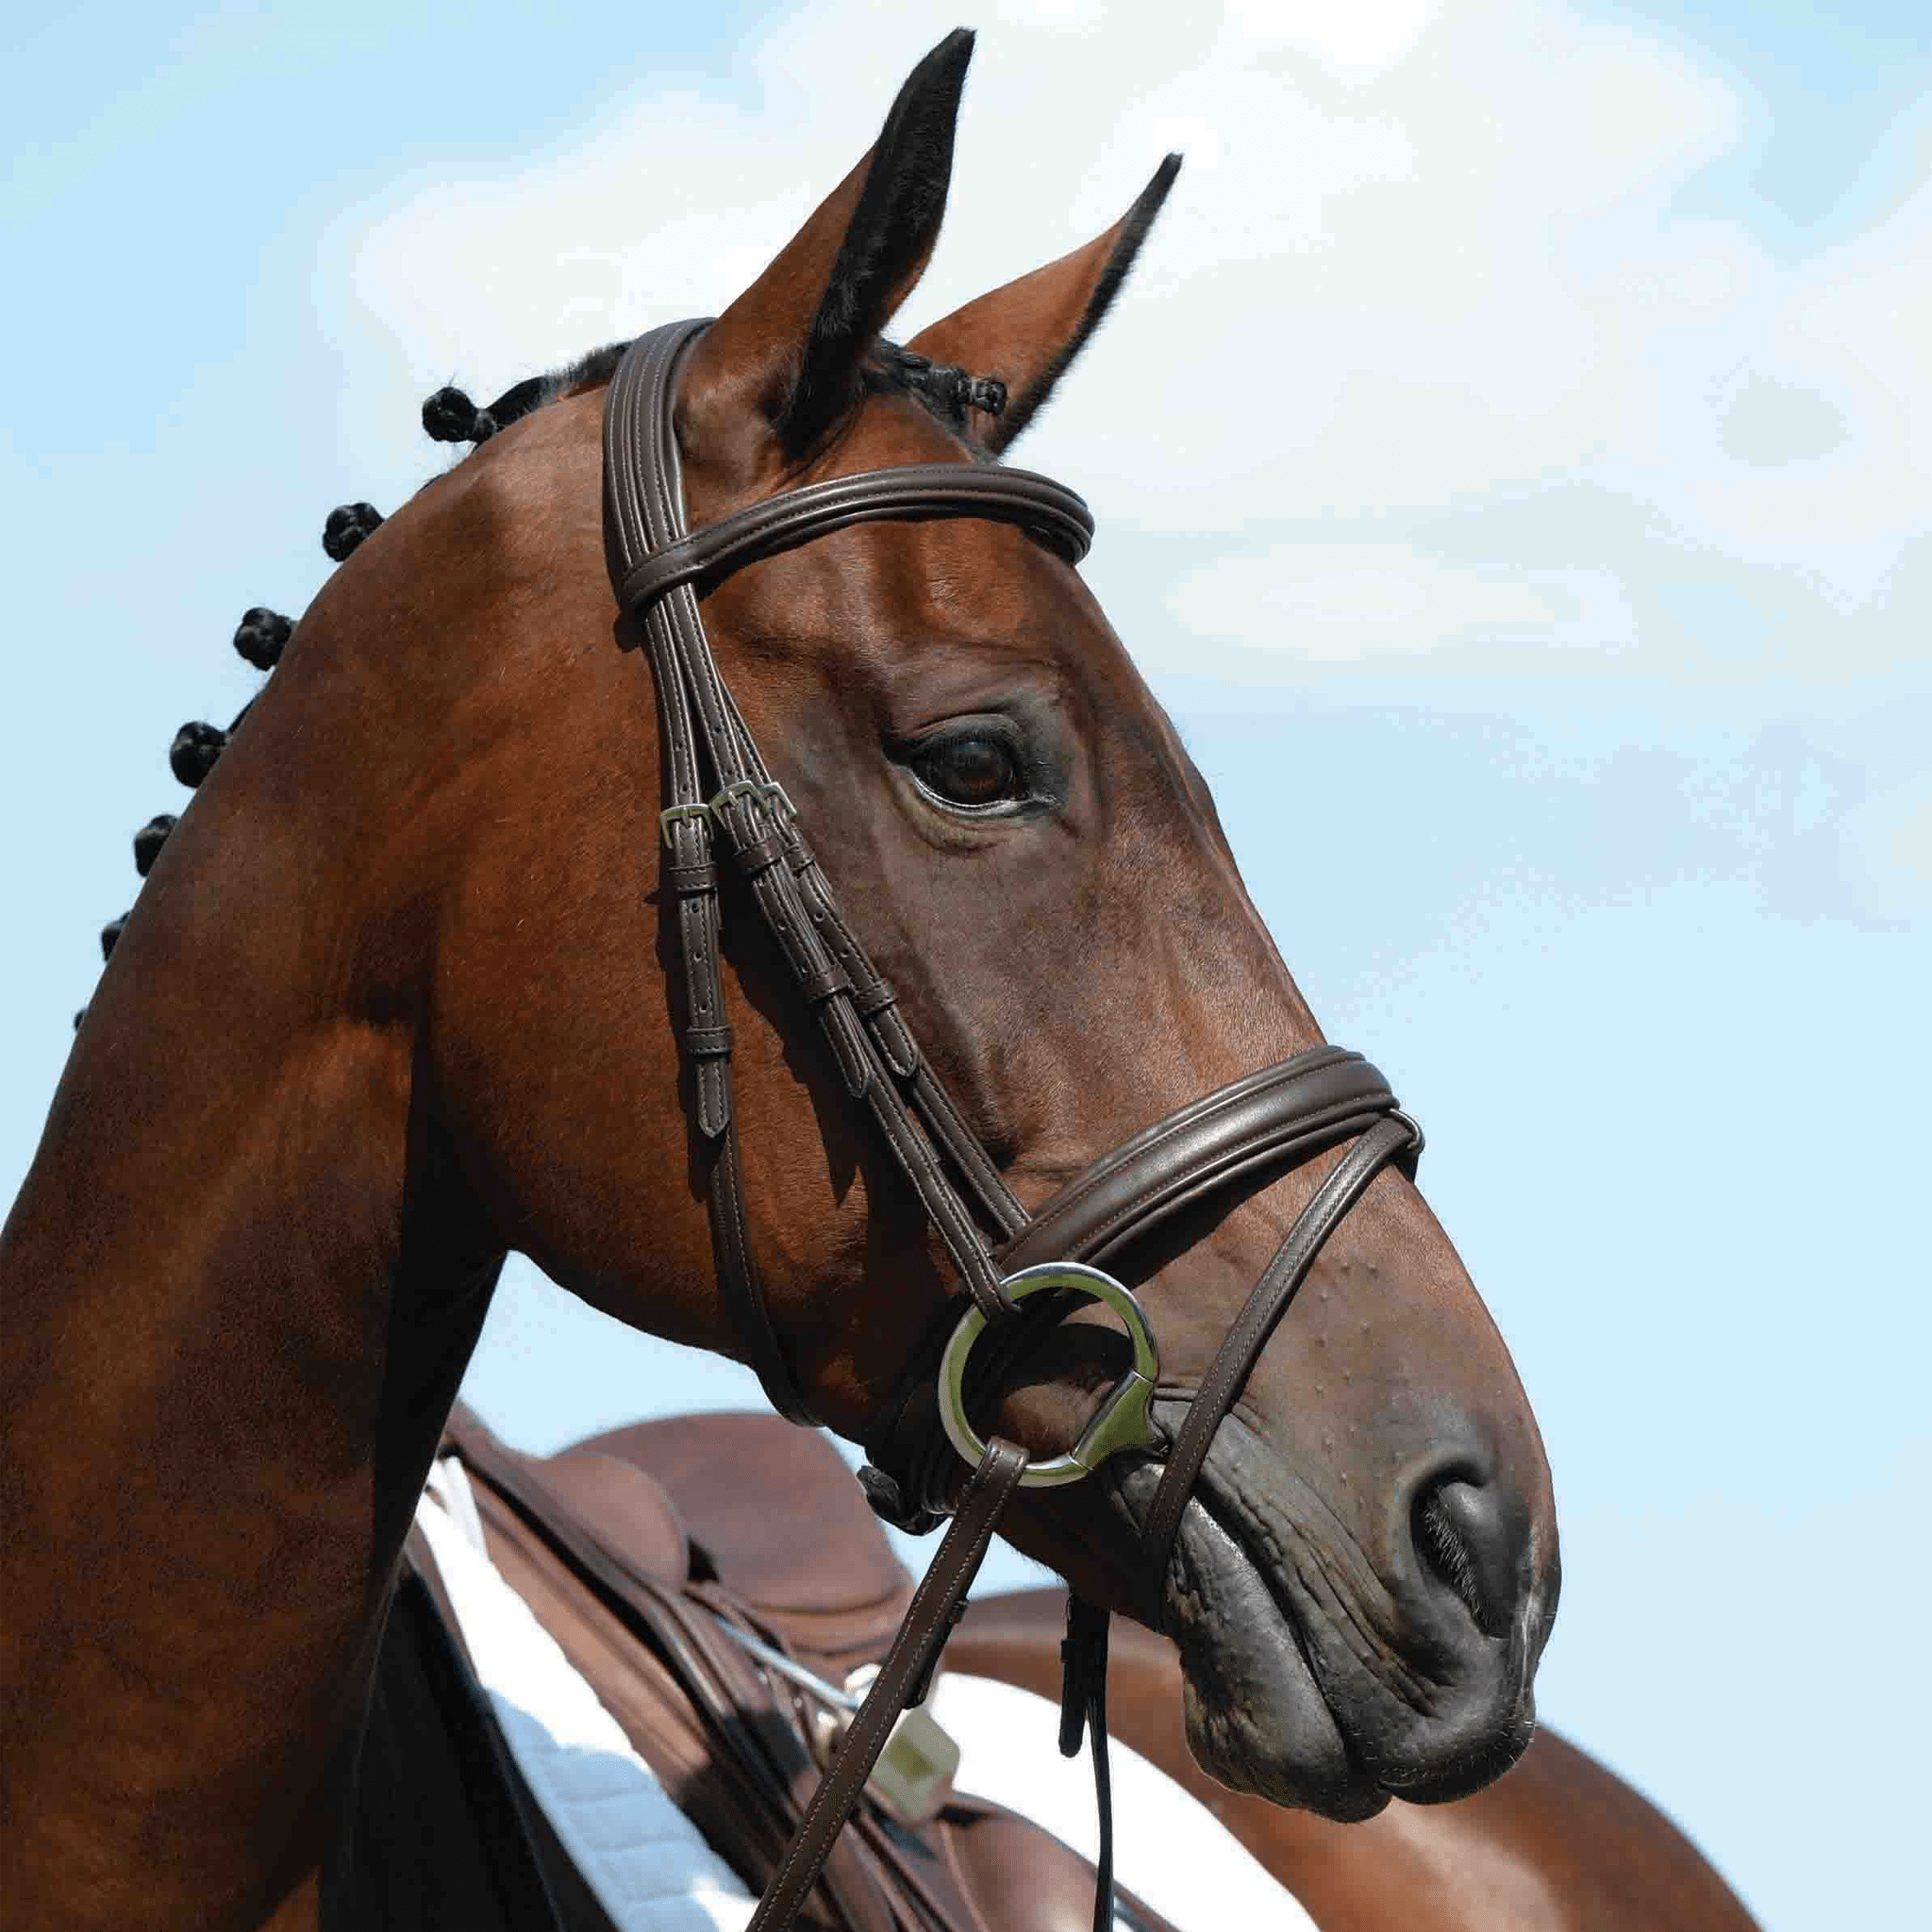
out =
column 1548, row 601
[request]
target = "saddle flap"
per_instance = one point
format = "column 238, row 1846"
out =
column 626, row 1511
column 774, row 1514
column 612, row 1497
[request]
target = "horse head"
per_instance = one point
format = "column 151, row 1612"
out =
column 1364, row 1574
column 461, row 1019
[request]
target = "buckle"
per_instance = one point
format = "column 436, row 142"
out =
column 767, row 791
column 671, row 813
column 1120, row 1422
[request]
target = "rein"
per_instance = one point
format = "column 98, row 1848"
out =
column 1021, row 1272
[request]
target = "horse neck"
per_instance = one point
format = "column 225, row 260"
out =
column 242, row 1285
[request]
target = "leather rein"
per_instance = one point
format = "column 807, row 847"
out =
column 1021, row 1271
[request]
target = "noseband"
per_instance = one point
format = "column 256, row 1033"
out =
column 1021, row 1271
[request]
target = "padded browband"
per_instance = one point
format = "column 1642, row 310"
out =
column 1042, row 508
column 1283, row 1112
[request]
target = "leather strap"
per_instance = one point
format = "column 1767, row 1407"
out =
column 1283, row 1113
column 720, row 1681
column 654, row 564
column 1383, row 1144
column 875, row 1878
column 1279, row 1115
column 1045, row 510
column 1244, row 1135
column 707, row 1035
column 908, row 1669
column 1083, row 1708
column 1255, row 1126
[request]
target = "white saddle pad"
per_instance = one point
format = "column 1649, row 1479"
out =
column 652, row 1870
column 1168, row 1847
column 648, row 1863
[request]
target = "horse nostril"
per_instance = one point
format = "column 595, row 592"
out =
column 1475, row 1537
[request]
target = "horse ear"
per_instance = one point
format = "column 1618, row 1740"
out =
column 786, row 356
column 1027, row 333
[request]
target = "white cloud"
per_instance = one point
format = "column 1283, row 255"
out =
column 1359, row 43
column 1353, row 603
column 1420, row 292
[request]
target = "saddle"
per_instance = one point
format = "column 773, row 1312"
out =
column 641, row 1551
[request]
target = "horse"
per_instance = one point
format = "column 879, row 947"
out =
column 421, row 976
column 596, row 1535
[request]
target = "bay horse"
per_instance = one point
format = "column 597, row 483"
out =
column 593, row 1536
column 409, row 986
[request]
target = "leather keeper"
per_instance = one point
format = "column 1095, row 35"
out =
column 708, row 1043
column 688, row 880
column 825, row 984
column 761, row 854
column 874, row 999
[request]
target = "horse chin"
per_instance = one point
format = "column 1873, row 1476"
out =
column 1255, row 1718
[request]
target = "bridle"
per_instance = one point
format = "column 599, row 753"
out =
column 1021, row 1271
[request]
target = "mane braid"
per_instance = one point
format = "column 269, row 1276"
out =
column 946, row 393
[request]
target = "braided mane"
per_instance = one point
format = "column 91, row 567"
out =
column 449, row 416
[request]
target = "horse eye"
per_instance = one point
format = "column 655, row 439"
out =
column 968, row 771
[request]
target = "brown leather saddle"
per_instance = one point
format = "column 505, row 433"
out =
column 641, row 1551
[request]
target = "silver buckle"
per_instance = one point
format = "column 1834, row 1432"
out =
column 767, row 791
column 671, row 813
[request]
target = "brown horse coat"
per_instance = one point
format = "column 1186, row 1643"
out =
column 402, row 992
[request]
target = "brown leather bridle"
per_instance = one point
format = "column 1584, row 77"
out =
column 721, row 796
